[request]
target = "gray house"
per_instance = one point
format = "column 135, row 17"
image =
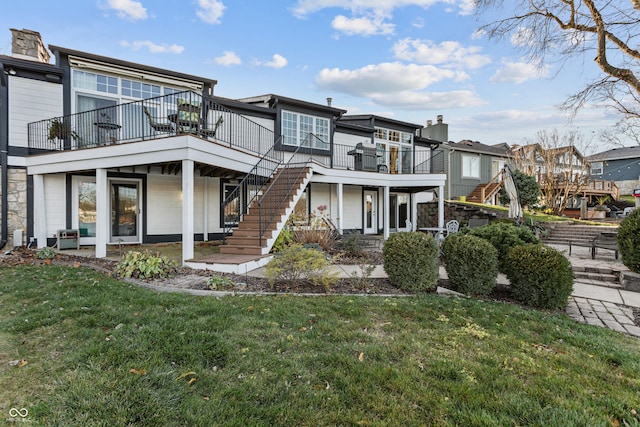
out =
column 621, row 165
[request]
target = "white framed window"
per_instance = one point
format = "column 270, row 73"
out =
column 597, row 168
column 470, row 166
column 296, row 127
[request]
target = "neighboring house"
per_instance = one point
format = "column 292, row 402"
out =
column 621, row 165
column 127, row 153
column 565, row 167
column 473, row 169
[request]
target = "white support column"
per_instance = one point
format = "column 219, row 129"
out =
column 39, row 212
column 414, row 209
column 441, row 207
column 340, row 221
column 103, row 214
column 187, row 210
column 205, row 214
column 387, row 210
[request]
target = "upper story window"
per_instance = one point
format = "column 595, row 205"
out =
column 597, row 168
column 393, row 136
column 296, row 127
column 470, row 166
column 96, row 82
column 139, row 90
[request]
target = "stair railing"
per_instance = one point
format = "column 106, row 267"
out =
column 238, row 201
column 273, row 199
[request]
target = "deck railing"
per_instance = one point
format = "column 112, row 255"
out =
column 180, row 113
column 189, row 113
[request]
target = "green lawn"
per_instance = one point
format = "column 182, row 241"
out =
column 100, row 352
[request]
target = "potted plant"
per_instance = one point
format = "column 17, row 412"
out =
column 59, row 129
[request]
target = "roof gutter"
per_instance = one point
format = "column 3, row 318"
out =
column 4, row 148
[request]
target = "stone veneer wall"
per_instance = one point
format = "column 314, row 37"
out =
column 16, row 204
column 428, row 213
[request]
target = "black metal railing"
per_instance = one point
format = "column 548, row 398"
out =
column 237, row 203
column 152, row 118
column 274, row 199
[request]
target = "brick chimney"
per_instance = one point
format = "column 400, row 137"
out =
column 27, row 44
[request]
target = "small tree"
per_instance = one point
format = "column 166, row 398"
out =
column 528, row 189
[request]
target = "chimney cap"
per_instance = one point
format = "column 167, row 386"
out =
column 439, row 118
column 329, row 99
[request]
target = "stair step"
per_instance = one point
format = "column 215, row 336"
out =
column 245, row 241
column 240, row 250
column 610, row 278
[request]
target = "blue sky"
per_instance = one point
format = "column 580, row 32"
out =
column 406, row 59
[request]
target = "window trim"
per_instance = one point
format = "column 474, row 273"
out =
column 462, row 171
column 601, row 168
column 298, row 137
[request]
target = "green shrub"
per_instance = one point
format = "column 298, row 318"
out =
column 471, row 263
column 296, row 263
column 282, row 241
column 46, row 253
column 145, row 265
column 539, row 276
column 504, row 236
column 219, row 283
column 351, row 245
column 411, row 261
column 629, row 241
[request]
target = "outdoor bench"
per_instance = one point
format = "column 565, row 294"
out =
column 605, row 240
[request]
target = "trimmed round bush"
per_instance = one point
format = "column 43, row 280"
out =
column 411, row 261
column 629, row 241
column 471, row 263
column 503, row 236
column 539, row 276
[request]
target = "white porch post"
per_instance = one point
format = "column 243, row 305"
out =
column 414, row 210
column 441, row 207
column 187, row 210
column 205, row 198
column 39, row 211
column 103, row 215
column 387, row 210
column 340, row 221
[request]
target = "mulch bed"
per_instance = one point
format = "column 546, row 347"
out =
column 187, row 278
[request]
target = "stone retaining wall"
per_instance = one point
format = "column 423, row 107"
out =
column 16, row 204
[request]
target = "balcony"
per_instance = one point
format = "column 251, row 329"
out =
column 190, row 114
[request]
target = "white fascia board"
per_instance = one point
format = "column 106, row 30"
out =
column 142, row 153
column 16, row 161
column 375, row 179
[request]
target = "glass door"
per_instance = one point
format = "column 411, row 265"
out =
column 399, row 212
column 84, row 206
column 370, row 212
column 125, row 212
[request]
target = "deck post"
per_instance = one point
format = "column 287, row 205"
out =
column 103, row 213
column 187, row 209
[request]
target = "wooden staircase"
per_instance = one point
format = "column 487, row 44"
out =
column 284, row 191
column 484, row 192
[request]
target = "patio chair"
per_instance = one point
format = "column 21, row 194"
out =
column 157, row 126
column 212, row 132
column 452, row 227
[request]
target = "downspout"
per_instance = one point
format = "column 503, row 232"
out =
column 4, row 148
column 451, row 150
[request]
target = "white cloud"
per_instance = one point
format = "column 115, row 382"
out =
column 448, row 53
column 378, row 7
column 228, row 59
column 128, row 9
column 398, row 85
column 519, row 72
column 362, row 26
column 384, row 78
column 523, row 36
column 277, row 61
column 210, row 11
column 153, row 47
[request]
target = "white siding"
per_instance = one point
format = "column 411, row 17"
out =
column 352, row 207
column 350, row 140
column 164, row 204
column 30, row 101
column 55, row 203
